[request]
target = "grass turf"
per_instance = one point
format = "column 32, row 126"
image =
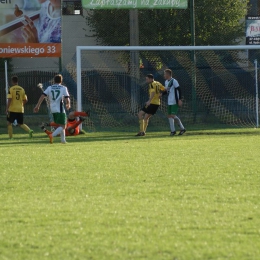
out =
column 115, row 196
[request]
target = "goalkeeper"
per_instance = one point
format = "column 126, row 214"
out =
column 75, row 118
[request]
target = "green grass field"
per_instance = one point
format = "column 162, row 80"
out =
column 115, row 196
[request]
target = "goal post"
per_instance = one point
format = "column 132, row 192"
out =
column 222, row 96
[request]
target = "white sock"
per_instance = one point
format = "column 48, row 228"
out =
column 62, row 136
column 171, row 121
column 57, row 131
column 179, row 122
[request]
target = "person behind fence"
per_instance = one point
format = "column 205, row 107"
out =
column 16, row 99
column 75, row 118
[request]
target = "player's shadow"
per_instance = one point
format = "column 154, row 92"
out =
column 158, row 135
column 122, row 136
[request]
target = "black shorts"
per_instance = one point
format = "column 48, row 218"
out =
column 15, row 116
column 151, row 109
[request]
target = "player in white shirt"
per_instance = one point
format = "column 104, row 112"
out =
column 56, row 94
column 174, row 101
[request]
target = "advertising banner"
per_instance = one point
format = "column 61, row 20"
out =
column 138, row 4
column 30, row 28
column 253, row 30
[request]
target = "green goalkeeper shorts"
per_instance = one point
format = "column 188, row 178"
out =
column 60, row 118
column 173, row 109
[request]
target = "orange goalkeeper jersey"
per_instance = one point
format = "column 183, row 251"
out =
column 71, row 124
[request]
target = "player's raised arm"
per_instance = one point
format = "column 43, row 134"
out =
column 162, row 88
column 67, row 100
column 37, row 107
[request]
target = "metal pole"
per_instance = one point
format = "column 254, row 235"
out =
column 6, row 79
column 60, row 65
column 78, row 62
column 256, row 94
column 79, row 88
column 192, row 22
column 252, row 11
column 60, row 58
column 134, row 59
column 193, row 59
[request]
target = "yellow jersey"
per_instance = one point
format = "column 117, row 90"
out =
column 17, row 96
column 156, row 87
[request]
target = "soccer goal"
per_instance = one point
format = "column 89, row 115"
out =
column 219, row 83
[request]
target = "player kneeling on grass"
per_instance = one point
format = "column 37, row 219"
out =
column 152, row 105
column 56, row 93
column 74, row 120
column 174, row 101
column 16, row 99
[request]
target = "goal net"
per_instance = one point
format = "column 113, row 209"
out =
column 219, row 85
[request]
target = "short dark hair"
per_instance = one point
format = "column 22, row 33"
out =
column 168, row 71
column 150, row 76
column 15, row 79
column 58, row 78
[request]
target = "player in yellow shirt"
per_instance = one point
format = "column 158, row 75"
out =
column 16, row 99
column 152, row 105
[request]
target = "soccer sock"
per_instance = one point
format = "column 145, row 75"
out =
column 62, row 136
column 54, row 124
column 25, row 127
column 47, row 131
column 57, row 131
column 171, row 121
column 179, row 122
column 141, row 122
column 10, row 130
column 145, row 124
column 76, row 113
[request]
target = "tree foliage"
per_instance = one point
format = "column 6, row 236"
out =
column 217, row 22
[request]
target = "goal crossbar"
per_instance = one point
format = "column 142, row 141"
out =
column 167, row 48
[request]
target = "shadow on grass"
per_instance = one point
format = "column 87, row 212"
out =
column 160, row 135
column 22, row 139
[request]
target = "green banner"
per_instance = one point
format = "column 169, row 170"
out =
column 132, row 4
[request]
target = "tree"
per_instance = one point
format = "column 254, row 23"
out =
column 217, row 22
